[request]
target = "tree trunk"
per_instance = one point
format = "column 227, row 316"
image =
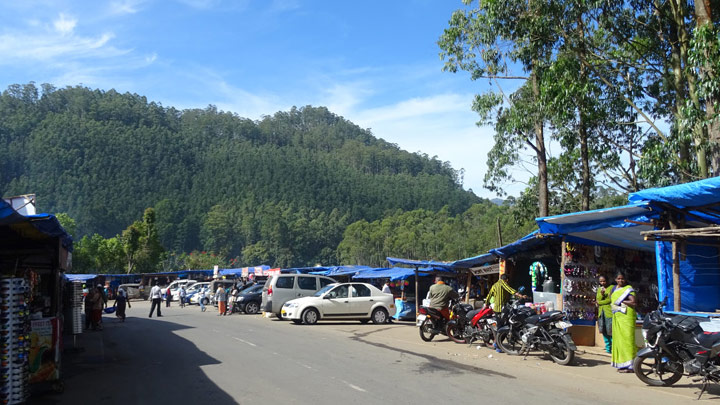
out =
column 543, row 199
column 678, row 38
column 703, row 18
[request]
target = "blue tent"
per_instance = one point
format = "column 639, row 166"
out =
column 80, row 277
column 699, row 204
column 239, row 271
column 393, row 273
column 341, row 270
column 38, row 227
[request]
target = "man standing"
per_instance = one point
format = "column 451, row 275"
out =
column 500, row 293
column 181, row 296
column 221, row 298
column 440, row 295
column 156, row 297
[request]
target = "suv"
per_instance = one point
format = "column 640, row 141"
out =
column 281, row 288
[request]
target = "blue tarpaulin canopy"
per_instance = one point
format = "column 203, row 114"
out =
column 40, row 226
column 239, row 272
column 426, row 263
column 80, row 277
column 616, row 226
column 699, row 203
column 393, row 273
column 341, row 270
column 475, row 261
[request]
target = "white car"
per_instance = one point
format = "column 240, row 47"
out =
column 341, row 301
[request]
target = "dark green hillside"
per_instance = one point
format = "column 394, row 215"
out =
column 103, row 157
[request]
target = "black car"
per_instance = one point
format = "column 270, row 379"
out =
column 249, row 299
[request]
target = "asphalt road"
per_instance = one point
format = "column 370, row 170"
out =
column 189, row 357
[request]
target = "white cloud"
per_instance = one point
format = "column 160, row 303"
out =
column 64, row 24
column 125, row 7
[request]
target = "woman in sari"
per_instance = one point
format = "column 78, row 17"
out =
column 622, row 302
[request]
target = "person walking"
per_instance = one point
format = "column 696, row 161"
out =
column 121, row 300
column 97, row 307
column 168, row 297
column 604, row 320
column 201, row 298
column 181, row 296
column 622, row 302
column 221, row 298
column 156, row 297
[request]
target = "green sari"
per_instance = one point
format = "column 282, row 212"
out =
column 623, row 328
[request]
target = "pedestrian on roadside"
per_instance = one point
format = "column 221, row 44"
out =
column 88, row 308
column 622, row 301
column 221, row 298
column 201, row 298
column 168, row 297
column 121, row 300
column 97, row 307
column 181, row 296
column 156, row 297
column 604, row 320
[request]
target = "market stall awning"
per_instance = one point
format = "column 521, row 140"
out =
column 426, row 263
column 80, row 277
column 38, row 227
column 393, row 273
column 616, row 226
column 523, row 244
column 243, row 270
column 342, row 270
column 700, row 200
column 475, row 261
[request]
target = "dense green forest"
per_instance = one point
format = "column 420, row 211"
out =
column 142, row 186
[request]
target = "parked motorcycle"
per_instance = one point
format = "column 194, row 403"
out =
column 520, row 330
column 676, row 345
column 431, row 323
column 468, row 324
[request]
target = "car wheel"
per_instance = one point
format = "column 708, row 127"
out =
column 310, row 316
column 252, row 307
column 205, row 301
column 379, row 315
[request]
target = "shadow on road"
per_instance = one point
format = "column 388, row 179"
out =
column 140, row 361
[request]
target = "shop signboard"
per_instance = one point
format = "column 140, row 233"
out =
column 44, row 354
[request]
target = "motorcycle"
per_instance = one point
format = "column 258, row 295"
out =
column 676, row 345
column 469, row 324
column 521, row 330
column 432, row 322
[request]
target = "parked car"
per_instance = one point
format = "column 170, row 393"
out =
column 281, row 288
column 250, row 299
column 344, row 301
column 132, row 290
column 193, row 290
column 175, row 288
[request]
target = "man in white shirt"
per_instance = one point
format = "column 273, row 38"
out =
column 156, row 297
column 386, row 288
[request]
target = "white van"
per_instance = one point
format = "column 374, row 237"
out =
column 281, row 288
column 175, row 287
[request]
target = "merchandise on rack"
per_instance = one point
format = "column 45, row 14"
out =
column 14, row 339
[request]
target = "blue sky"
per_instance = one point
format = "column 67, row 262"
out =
column 374, row 62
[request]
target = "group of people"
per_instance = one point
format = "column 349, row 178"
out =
column 96, row 300
column 616, row 320
column 616, row 312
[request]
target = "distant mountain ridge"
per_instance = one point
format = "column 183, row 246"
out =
column 103, row 157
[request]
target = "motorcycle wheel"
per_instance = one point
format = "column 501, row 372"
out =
column 653, row 371
column 560, row 352
column 508, row 343
column 455, row 333
column 425, row 330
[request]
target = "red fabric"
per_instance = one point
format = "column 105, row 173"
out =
column 222, row 307
column 96, row 315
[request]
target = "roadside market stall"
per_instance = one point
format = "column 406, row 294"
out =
column 34, row 251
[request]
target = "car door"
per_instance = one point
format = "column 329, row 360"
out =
column 306, row 286
column 336, row 302
column 361, row 300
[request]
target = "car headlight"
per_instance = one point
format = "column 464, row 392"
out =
column 240, row 298
column 291, row 305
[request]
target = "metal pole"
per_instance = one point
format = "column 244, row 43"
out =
column 676, row 276
column 417, row 296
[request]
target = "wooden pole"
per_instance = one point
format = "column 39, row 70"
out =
column 417, row 296
column 499, row 232
column 560, row 302
column 676, row 276
column 469, row 283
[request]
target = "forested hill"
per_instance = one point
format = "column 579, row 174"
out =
column 103, row 157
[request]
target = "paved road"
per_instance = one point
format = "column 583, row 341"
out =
column 189, row 357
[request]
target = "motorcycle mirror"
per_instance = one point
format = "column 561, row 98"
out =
column 521, row 290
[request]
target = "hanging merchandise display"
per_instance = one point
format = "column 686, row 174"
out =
column 14, row 339
column 584, row 264
column 76, row 303
column 537, row 273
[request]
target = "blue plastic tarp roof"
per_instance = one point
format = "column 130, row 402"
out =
column 527, row 242
column 616, row 226
column 393, row 273
column 703, row 195
column 427, row 263
column 31, row 226
column 475, row 261
column 239, row 272
column 342, row 270
column 80, row 277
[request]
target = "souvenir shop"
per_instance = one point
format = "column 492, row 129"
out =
column 34, row 252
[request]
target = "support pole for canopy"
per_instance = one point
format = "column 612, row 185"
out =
column 469, row 283
column 561, row 302
column 676, row 276
column 417, row 296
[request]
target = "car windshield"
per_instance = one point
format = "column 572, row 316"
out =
column 251, row 289
column 324, row 290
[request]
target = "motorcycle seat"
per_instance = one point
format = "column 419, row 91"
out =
column 708, row 339
column 434, row 312
column 471, row 314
